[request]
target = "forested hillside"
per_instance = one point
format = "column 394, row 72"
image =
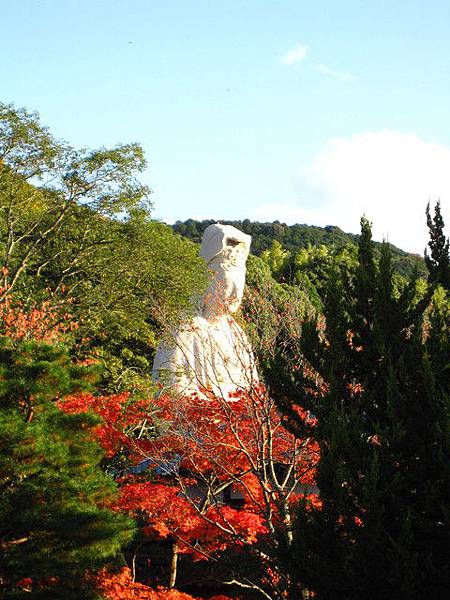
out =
column 294, row 238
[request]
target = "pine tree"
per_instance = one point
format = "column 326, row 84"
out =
column 382, row 404
column 55, row 524
column 438, row 261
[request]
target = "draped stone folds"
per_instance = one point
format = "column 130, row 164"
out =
column 210, row 353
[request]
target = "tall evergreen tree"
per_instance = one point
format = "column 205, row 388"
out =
column 382, row 404
column 55, row 524
column 438, row 261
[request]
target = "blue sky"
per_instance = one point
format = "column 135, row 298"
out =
column 298, row 111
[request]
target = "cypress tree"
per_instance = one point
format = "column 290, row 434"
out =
column 438, row 261
column 55, row 524
column 384, row 433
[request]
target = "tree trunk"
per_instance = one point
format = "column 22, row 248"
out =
column 173, row 566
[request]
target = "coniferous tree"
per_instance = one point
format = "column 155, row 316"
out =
column 55, row 524
column 382, row 404
column 438, row 261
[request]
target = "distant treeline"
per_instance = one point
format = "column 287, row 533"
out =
column 298, row 236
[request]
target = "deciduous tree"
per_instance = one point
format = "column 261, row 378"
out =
column 219, row 477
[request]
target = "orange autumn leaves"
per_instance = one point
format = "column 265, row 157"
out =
column 202, row 450
column 208, row 474
column 120, row 586
column 47, row 322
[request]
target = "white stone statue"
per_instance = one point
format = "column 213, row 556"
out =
column 210, row 353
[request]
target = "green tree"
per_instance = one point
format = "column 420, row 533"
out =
column 132, row 286
column 274, row 314
column 55, row 524
column 42, row 183
column 296, row 237
column 276, row 257
column 377, row 379
column 76, row 225
column 438, row 261
column 314, row 264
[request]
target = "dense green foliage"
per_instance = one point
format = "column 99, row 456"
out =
column 75, row 227
column 54, row 520
column 291, row 236
column 438, row 260
column 295, row 239
column 381, row 396
column 274, row 312
column 349, row 330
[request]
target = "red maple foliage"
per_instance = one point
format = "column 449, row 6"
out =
column 47, row 322
column 216, row 474
column 119, row 412
column 120, row 586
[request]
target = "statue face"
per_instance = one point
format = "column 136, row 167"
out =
column 225, row 292
column 225, row 250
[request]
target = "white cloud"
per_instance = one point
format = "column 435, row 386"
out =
column 340, row 75
column 295, row 55
column 389, row 176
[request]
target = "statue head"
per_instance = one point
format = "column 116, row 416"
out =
column 225, row 250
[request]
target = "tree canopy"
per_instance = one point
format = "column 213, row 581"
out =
column 328, row 478
column 375, row 374
column 298, row 237
column 75, row 228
